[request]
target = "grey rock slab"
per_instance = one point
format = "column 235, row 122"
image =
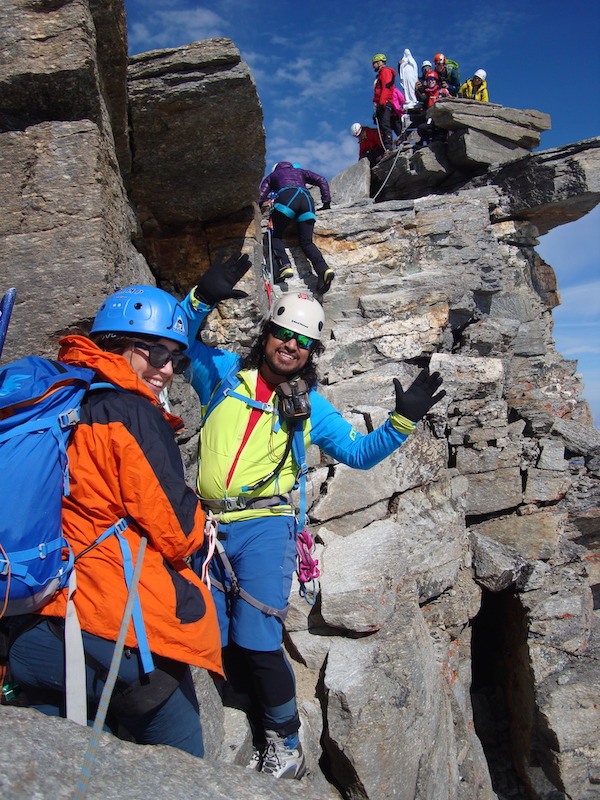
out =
column 496, row 565
column 419, row 460
column 46, row 755
column 473, row 148
column 66, row 231
column 352, row 185
column 545, row 486
column 551, row 187
column 449, row 109
column 494, row 491
column 533, row 536
column 389, row 726
column 423, row 543
column 178, row 99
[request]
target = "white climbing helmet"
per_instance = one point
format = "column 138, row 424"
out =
column 355, row 129
column 480, row 73
column 301, row 313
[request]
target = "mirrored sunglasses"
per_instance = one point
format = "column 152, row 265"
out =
column 286, row 335
column 159, row 355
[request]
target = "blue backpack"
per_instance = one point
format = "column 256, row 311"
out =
column 39, row 408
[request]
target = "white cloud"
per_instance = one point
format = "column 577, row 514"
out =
column 175, row 26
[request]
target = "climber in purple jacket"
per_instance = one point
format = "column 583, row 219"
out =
column 292, row 201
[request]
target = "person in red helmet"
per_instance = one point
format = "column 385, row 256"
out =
column 432, row 92
column 382, row 98
column 447, row 76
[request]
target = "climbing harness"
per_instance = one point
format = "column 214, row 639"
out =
column 284, row 208
column 294, row 406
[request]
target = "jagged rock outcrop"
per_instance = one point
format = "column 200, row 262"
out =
column 452, row 650
column 478, row 135
column 198, row 144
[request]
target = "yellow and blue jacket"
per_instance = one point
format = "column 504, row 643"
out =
column 223, row 431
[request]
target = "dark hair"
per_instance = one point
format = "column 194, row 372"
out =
column 118, row 342
column 254, row 358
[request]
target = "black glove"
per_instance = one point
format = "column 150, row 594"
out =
column 219, row 279
column 420, row 396
column 325, row 207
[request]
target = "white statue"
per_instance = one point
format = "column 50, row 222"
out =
column 407, row 69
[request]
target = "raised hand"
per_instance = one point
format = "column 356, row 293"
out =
column 420, row 396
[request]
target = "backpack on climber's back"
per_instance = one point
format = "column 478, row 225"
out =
column 39, row 408
column 452, row 64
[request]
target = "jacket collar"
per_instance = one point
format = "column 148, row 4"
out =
column 112, row 367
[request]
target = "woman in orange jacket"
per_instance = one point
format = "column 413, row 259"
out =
column 124, row 464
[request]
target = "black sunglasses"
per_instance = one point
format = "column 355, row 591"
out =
column 159, row 355
column 286, row 335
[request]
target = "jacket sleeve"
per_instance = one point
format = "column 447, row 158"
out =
column 336, row 436
column 317, row 180
column 386, row 78
column 265, row 188
column 209, row 365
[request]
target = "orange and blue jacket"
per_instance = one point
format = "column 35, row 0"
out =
column 124, row 462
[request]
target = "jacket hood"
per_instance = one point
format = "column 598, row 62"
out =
column 80, row 351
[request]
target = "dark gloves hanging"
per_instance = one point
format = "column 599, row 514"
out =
column 219, row 279
column 325, row 207
column 420, row 396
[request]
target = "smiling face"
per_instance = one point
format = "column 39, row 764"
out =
column 155, row 378
column 282, row 360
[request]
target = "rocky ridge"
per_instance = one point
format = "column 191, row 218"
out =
column 452, row 651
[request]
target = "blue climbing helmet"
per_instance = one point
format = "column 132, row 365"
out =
column 144, row 310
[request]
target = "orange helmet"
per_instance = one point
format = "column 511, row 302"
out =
column 439, row 58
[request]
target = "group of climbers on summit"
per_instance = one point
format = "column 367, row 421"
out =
column 437, row 80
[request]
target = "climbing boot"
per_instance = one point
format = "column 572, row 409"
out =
column 324, row 281
column 285, row 272
column 283, row 756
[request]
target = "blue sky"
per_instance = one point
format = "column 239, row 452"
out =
column 312, row 65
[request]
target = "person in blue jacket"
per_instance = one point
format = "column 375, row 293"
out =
column 292, row 201
column 248, row 465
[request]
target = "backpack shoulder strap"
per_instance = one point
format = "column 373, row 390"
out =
column 227, row 389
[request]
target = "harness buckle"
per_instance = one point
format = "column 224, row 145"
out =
column 233, row 503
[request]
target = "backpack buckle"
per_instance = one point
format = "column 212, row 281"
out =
column 68, row 419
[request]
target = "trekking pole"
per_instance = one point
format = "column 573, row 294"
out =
column 6, row 307
column 90, row 755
